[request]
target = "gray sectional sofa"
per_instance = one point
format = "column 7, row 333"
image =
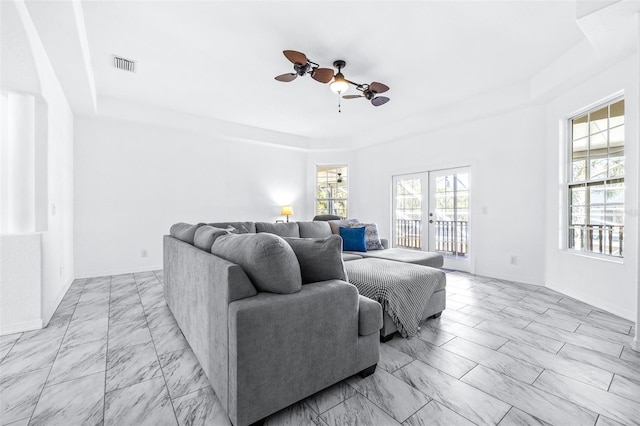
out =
column 269, row 313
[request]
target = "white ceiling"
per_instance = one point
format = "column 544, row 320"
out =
column 219, row 59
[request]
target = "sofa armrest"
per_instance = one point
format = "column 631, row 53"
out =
column 198, row 288
column 385, row 242
column 369, row 316
column 285, row 347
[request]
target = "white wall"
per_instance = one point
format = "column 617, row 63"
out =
column 610, row 285
column 54, row 142
column 133, row 181
column 507, row 162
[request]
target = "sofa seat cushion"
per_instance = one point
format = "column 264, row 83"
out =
column 320, row 258
column 284, row 229
column 184, row 231
column 318, row 229
column 267, row 259
column 350, row 256
column 424, row 258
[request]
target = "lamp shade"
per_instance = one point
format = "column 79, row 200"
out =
column 286, row 211
column 339, row 84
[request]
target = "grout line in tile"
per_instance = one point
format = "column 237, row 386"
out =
column 155, row 349
column 44, row 385
column 505, row 415
column 106, row 360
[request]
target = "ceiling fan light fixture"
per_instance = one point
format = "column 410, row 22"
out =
column 339, row 84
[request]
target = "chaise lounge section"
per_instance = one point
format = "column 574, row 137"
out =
column 398, row 268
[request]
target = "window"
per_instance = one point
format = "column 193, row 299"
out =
column 331, row 190
column 596, row 180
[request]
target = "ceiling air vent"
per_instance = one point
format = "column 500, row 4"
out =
column 124, row 64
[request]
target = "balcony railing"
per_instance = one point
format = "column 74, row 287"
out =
column 408, row 233
column 605, row 239
column 451, row 237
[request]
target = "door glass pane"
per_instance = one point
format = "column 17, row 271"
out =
column 408, row 213
column 451, row 214
column 462, row 200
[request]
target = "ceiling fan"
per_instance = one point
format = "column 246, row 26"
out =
column 302, row 65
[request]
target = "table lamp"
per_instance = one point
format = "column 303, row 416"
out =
column 286, row 211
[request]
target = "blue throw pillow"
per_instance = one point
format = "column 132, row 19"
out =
column 353, row 239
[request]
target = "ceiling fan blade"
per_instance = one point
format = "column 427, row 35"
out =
column 376, row 87
column 380, row 100
column 295, row 57
column 287, row 77
column 323, row 75
column 352, row 96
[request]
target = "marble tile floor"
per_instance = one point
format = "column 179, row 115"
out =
column 502, row 353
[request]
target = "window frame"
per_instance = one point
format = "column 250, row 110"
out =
column 589, row 182
column 332, row 200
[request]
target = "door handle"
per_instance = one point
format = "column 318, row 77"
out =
column 430, row 220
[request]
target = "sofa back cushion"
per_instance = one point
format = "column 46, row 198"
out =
column 184, row 231
column 206, row 235
column 320, row 258
column 314, row 229
column 267, row 259
column 284, row 229
column 238, row 227
column 337, row 224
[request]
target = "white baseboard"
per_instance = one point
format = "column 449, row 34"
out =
column 35, row 324
column 46, row 316
column 104, row 273
column 615, row 310
column 510, row 277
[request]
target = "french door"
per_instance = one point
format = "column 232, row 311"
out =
column 431, row 213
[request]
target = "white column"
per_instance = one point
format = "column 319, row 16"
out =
column 21, row 168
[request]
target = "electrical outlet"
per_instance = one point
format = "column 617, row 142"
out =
column 143, row 253
column 514, row 259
